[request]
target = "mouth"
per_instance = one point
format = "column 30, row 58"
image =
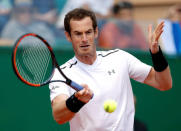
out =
column 84, row 46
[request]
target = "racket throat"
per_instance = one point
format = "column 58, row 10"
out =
column 68, row 81
column 74, row 85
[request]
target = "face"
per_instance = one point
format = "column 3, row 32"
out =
column 82, row 37
column 24, row 16
column 179, row 14
column 125, row 14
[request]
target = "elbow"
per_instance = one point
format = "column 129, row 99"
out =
column 61, row 119
column 58, row 119
column 59, row 122
column 166, row 87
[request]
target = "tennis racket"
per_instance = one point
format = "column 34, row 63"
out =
column 34, row 62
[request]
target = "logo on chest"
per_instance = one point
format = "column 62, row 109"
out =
column 111, row 72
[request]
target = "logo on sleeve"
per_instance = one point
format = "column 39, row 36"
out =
column 54, row 87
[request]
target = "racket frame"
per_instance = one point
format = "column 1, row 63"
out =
column 69, row 82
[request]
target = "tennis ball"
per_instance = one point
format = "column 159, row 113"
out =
column 110, row 106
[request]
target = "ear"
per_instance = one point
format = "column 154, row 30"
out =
column 68, row 36
column 96, row 32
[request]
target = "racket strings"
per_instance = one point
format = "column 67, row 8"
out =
column 34, row 60
column 45, row 60
column 35, row 65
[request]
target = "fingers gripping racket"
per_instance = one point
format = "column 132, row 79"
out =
column 34, row 62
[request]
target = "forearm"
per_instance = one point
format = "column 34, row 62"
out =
column 60, row 111
column 162, row 71
column 163, row 79
column 64, row 107
column 159, row 76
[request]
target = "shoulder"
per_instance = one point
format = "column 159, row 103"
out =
column 9, row 30
column 12, row 24
column 110, row 24
column 113, row 53
column 117, row 56
column 38, row 25
column 69, row 64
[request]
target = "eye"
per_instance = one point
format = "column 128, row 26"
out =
column 78, row 33
column 89, row 32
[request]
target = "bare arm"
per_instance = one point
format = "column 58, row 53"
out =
column 61, row 113
column 160, row 80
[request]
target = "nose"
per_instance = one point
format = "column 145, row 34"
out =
column 84, row 38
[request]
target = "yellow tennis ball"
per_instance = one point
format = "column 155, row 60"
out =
column 110, row 106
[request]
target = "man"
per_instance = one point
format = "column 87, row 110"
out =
column 104, row 75
column 100, row 7
column 122, row 31
column 23, row 22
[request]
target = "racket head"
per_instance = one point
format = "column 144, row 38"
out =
column 33, row 60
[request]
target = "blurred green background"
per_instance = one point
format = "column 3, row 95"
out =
column 25, row 108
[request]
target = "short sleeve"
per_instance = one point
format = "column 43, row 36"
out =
column 57, row 88
column 137, row 69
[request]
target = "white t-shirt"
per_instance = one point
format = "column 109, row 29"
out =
column 109, row 78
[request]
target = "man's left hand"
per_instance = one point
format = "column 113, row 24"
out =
column 154, row 36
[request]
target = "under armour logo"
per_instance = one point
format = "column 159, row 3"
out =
column 54, row 87
column 111, row 72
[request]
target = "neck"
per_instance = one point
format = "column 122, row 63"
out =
column 87, row 59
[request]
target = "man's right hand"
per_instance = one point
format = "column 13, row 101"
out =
column 85, row 94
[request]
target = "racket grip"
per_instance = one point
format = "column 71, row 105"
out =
column 76, row 86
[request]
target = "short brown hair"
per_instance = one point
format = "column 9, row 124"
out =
column 78, row 14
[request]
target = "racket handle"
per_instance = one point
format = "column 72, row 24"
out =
column 76, row 86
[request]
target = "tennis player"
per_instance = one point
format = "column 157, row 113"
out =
column 104, row 75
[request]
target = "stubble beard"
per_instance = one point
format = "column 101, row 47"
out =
column 85, row 55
